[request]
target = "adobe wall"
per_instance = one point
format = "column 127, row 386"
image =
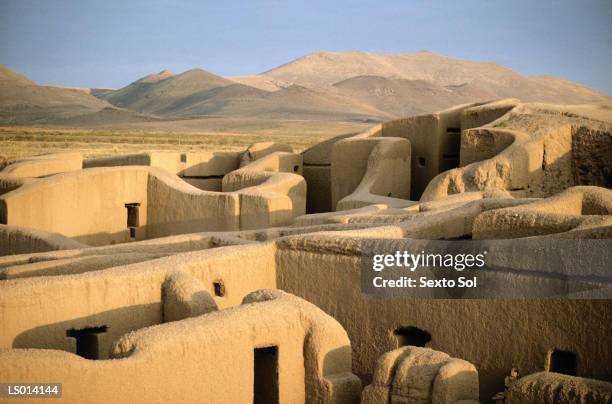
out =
column 90, row 205
column 87, row 205
column 19, row 240
column 484, row 143
column 176, row 207
column 516, row 168
column 431, row 376
column 486, row 113
column 435, row 147
column 533, row 154
column 276, row 173
column 386, row 178
column 423, row 134
column 203, row 170
column 349, row 162
column 551, row 388
column 325, row 269
column 124, row 298
column 317, row 170
column 216, row 353
column 87, row 259
column 40, row 166
column 577, row 208
column 9, row 182
column 307, row 268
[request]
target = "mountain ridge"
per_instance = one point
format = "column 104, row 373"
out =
column 339, row 86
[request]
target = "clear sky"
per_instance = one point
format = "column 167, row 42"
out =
column 110, row 43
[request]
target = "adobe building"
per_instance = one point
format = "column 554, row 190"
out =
column 200, row 276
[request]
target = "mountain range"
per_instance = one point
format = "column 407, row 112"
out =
column 328, row 86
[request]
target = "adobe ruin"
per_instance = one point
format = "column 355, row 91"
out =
column 236, row 276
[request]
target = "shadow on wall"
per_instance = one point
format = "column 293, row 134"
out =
column 591, row 157
column 115, row 323
column 333, row 357
column 70, row 265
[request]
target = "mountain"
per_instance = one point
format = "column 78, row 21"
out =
column 213, row 101
column 155, row 93
column 24, row 102
column 403, row 97
column 105, row 117
column 293, row 102
column 198, row 93
column 325, row 86
column 298, row 102
column 7, row 76
column 261, row 82
column 324, row 69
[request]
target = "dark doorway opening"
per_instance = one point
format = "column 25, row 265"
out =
column 266, row 375
column 452, row 147
column 87, row 341
column 411, row 336
column 564, row 362
column 133, row 218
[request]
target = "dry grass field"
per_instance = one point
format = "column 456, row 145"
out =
column 17, row 142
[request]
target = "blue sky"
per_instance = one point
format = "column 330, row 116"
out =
column 112, row 43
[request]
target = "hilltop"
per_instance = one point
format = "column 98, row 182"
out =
column 324, row 69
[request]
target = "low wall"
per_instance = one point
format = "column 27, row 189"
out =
column 124, row 298
column 18, row 240
column 349, row 163
column 87, row 205
column 92, row 206
column 575, row 208
column 40, row 166
column 317, row 170
column 552, row 388
column 274, row 345
column 386, row 179
column 432, row 376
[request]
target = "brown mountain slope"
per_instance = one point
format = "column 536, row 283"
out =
column 322, row 69
column 155, row 93
column 197, row 93
column 261, row 82
column 105, row 117
column 408, row 97
column 23, row 101
column 213, row 101
column 294, row 102
column 297, row 102
column 7, row 75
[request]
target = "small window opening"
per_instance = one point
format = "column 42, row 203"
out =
column 411, row 336
column 87, row 341
column 219, row 288
column 564, row 362
column 183, row 158
column 421, row 162
column 266, row 375
column 296, row 169
column 133, row 218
